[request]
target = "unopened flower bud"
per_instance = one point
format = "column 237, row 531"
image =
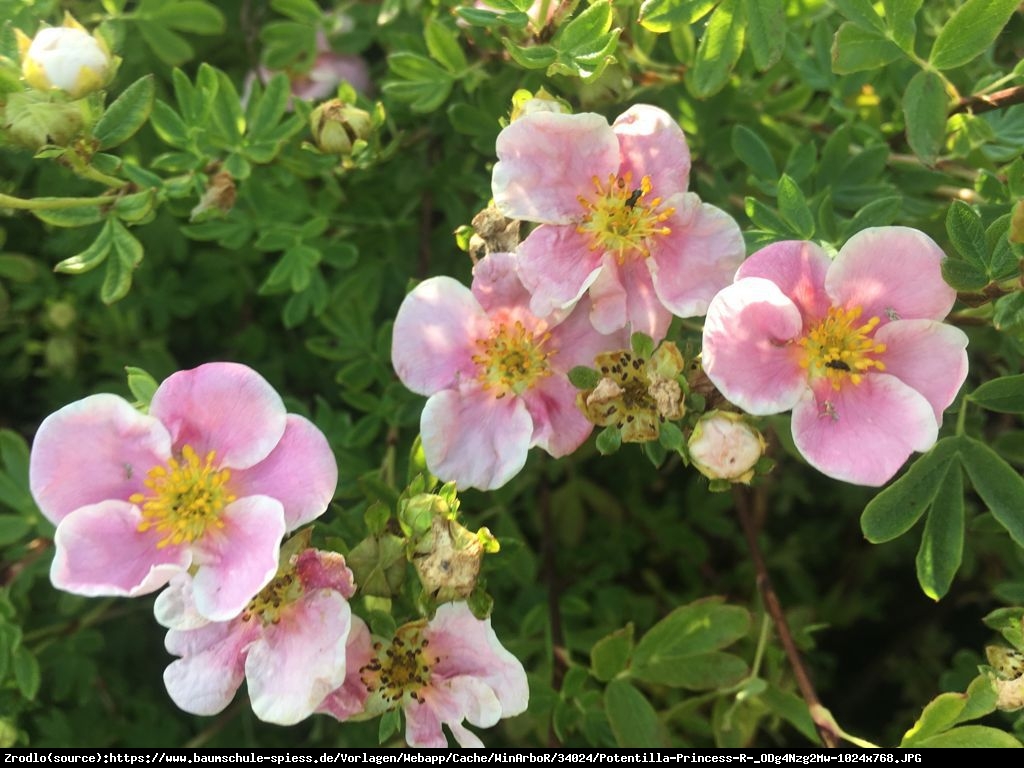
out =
column 67, row 58
column 526, row 103
column 724, row 446
column 448, row 560
column 218, row 199
column 337, row 126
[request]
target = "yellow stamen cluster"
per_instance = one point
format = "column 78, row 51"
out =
column 400, row 668
column 186, row 497
column 839, row 349
column 285, row 589
column 621, row 220
column 512, row 359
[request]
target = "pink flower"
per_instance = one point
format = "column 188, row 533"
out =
column 289, row 644
column 616, row 219
column 443, row 672
column 494, row 373
column 854, row 347
column 207, row 483
column 329, row 70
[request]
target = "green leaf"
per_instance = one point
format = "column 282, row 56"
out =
column 964, row 276
column 894, row 511
column 973, row 28
column 423, row 84
column 583, row 377
column 78, row 216
column 861, row 13
column 141, row 384
column 530, row 56
column 942, row 543
column 754, row 153
column 579, row 33
column 998, row 484
column 303, row 11
column 444, row 46
column 389, row 724
column 196, row 16
column 877, row 213
column 169, row 126
column 169, row 46
column 92, row 256
column 767, row 31
column 1009, row 312
column 692, row 630
column 971, row 736
column 764, row 217
column 981, row 699
column 670, row 436
column 15, row 455
column 126, row 254
column 609, row 440
column 632, row 718
column 126, row 114
column 13, row 528
column 939, row 715
column 967, row 233
column 856, row 49
column 286, row 42
column 899, row 18
column 266, row 112
column 704, row 672
column 610, row 654
column 1003, row 395
column 26, row 672
column 719, row 49
column 664, row 15
column 793, row 710
column 794, row 209
column 1002, row 262
column 924, row 109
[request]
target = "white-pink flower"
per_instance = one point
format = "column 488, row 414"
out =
column 328, row 71
column 616, row 219
column 853, row 346
column 203, row 487
column 442, row 672
column 289, row 644
column 494, row 372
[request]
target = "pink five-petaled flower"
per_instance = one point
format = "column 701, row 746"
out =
column 207, row 483
column 494, row 372
column 853, row 346
column 441, row 672
column 289, row 643
column 615, row 216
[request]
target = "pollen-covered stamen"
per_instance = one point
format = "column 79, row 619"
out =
column 621, row 219
column 838, row 349
column 283, row 590
column 402, row 667
column 185, row 497
column 512, row 358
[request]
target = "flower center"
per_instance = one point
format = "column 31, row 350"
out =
column 837, row 348
column 186, row 497
column 283, row 590
column 621, row 220
column 512, row 359
column 401, row 667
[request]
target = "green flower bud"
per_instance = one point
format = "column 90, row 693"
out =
column 337, row 126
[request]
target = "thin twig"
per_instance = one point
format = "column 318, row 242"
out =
column 988, row 102
column 549, row 555
column 774, row 608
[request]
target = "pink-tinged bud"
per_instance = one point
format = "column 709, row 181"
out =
column 337, row 126
column 724, row 446
column 66, row 58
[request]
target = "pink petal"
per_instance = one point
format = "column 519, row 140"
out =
column 892, row 273
column 556, row 265
column 863, row 433
column 468, row 647
column 653, row 144
column 350, row 698
column 798, row 267
column 697, row 258
column 205, row 681
column 423, row 727
column 474, row 439
column 432, row 342
column 92, row 450
column 174, row 607
column 547, row 161
column 100, row 551
column 301, row 472
column 575, row 341
column 461, row 698
column 623, row 299
column 237, row 561
column 927, row 356
column 329, row 70
column 496, row 283
column 223, row 407
column 558, row 426
column 749, row 348
column 325, row 570
column 299, row 661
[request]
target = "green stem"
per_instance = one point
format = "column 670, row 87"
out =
column 88, row 172
column 48, row 634
column 961, row 418
column 51, row 203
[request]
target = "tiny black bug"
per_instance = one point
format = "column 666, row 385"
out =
column 837, row 365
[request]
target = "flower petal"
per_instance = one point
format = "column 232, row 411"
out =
column 432, row 342
column 892, row 273
column 223, row 407
column 927, row 356
column 749, row 352
column 95, row 449
column 547, row 161
column 474, row 439
column 697, row 258
column 496, row 283
column 301, row 472
column 205, row 680
column 863, row 433
column 300, row 660
column 349, row 699
column 318, row 569
column 100, row 551
column 558, row 426
column 575, row 341
column 423, row 727
column 174, row 607
column 798, row 267
column 652, row 144
column 557, row 266
column 238, row 560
